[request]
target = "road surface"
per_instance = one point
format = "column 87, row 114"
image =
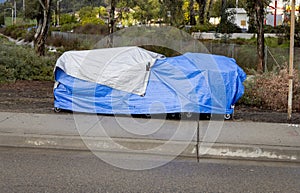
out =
column 44, row 170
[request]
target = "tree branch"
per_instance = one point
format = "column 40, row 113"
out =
column 42, row 4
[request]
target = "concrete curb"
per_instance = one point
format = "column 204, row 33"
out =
column 122, row 145
column 151, row 147
column 250, row 152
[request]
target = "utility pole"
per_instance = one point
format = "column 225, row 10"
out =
column 291, row 64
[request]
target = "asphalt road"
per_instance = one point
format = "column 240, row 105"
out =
column 43, row 170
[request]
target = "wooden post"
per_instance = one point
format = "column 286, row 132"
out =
column 291, row 64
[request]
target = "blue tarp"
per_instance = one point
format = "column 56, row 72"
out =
column 193, row 82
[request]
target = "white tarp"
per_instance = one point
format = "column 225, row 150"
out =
column 122, row 68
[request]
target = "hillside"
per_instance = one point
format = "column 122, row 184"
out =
column 66, row 6
column 74, row 5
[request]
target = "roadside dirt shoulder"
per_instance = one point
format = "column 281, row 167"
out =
column 37, row 97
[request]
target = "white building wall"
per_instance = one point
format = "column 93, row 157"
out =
column 242, row 21
column 240, row 17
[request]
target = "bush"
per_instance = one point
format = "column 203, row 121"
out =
column 203, row 28
column 21, row 63
column 270, row 91
column 2, row 19
column 29, row 36
column 228, row 28
column 270, row 29
column 68, row 27
column 162, row 50
column 92, row 29
column 18, row 32
column 67, row 19
column 68, row 44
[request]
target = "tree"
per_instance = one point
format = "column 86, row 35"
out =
column 111, row 22
column 146, row 11
column 41, row 11
column 209, row 8
column 255, row 10
column 172, row 11
column 43, row 18
column 68, row 6
column 227, row 24
column 192, row 13
column 125, row 15
column 67, row 19
column 286, row 28
column 223, row 11
column 89, row 15
column 202, row 8
column 259, row 12
column 190, row 9
column 112, row 16
column 205, row 9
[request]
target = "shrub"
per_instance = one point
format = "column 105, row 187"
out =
column 68, row 27
column 67, row 19
column 91, row 29
column 162, row 50
column 6, row 74
column 68, row 44
column 29, row 36
column 2, row 19
column 203, row 28
column 18, row 32
column 270, row 91
column 228, row 27
column 21, row 63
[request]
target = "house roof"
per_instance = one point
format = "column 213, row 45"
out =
column 237, row 10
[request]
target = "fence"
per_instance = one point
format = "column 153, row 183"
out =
column 212, row 36
column 245, row 55
column 74, row 36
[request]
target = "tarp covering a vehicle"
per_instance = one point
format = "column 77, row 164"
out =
column 122, row 68
column 192, row 82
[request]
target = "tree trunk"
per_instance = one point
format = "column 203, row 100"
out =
column 192, row 13
column 259, row 10
column 210, row 4
column 223, row 10
column 202, row 7
column 111, row 23
column 43, row 21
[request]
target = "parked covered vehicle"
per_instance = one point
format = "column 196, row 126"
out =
column 132, row 80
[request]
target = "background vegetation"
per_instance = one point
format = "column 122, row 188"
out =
column 22, row 63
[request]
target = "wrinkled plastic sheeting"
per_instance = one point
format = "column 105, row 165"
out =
column 122, row 68
column 193, row 82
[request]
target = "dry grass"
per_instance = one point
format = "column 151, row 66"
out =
column 270, row 91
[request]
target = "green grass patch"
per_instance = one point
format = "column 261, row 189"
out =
column 20, row 21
